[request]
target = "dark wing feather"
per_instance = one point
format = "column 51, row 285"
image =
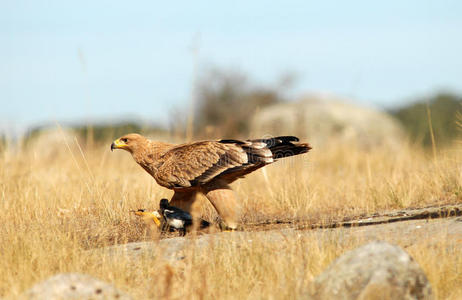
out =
column 261, row 152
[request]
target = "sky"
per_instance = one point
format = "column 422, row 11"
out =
column 81, row 61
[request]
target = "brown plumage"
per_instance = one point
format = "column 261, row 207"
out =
column 207, row 166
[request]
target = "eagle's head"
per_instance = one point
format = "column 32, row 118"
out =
column 130, row 142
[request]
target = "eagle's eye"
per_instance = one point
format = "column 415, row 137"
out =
column 124, row 140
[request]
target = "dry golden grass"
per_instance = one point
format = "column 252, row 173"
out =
column 55, row 204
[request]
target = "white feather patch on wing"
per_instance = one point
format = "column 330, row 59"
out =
column 176, row 223
column 259, row 145
column 268, row 153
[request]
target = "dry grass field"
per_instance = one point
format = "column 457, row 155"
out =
column 58, row 202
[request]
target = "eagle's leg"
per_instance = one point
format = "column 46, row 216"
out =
column 224, row 200
column 183, row 200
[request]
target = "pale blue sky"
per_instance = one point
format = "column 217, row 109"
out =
column 138, row 60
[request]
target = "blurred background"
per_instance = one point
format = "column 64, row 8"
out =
column 365, row 71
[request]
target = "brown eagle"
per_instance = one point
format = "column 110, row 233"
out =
column 207, row 167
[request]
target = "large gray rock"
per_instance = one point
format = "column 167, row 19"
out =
column 375, row 271
column 321, row 119
column 73, row 286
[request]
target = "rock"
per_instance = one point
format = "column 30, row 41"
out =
column 377, row 270
column 321, row 119
column 73, row 286
column 170, row 250
column 175, row 250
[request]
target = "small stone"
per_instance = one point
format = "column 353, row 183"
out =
column 73, row 286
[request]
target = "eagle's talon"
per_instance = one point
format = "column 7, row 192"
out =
column 225, row 228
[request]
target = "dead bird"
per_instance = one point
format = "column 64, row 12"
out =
column 175, row 217
column 178, row 218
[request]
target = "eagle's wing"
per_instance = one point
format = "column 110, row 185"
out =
column 194, row 164
column 198, row 163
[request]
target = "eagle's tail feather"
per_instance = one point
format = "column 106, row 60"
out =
column 279, row 147
column 285, row 146
column 266, row 151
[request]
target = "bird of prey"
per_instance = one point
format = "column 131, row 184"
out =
column 207, row 167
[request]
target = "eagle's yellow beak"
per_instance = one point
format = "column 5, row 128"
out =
column 118, row 144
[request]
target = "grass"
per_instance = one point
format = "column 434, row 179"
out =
column 60, row 201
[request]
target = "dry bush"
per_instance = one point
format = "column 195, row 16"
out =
column 227, row 100
column 55, row 208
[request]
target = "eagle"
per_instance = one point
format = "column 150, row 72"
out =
column 207, row 167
